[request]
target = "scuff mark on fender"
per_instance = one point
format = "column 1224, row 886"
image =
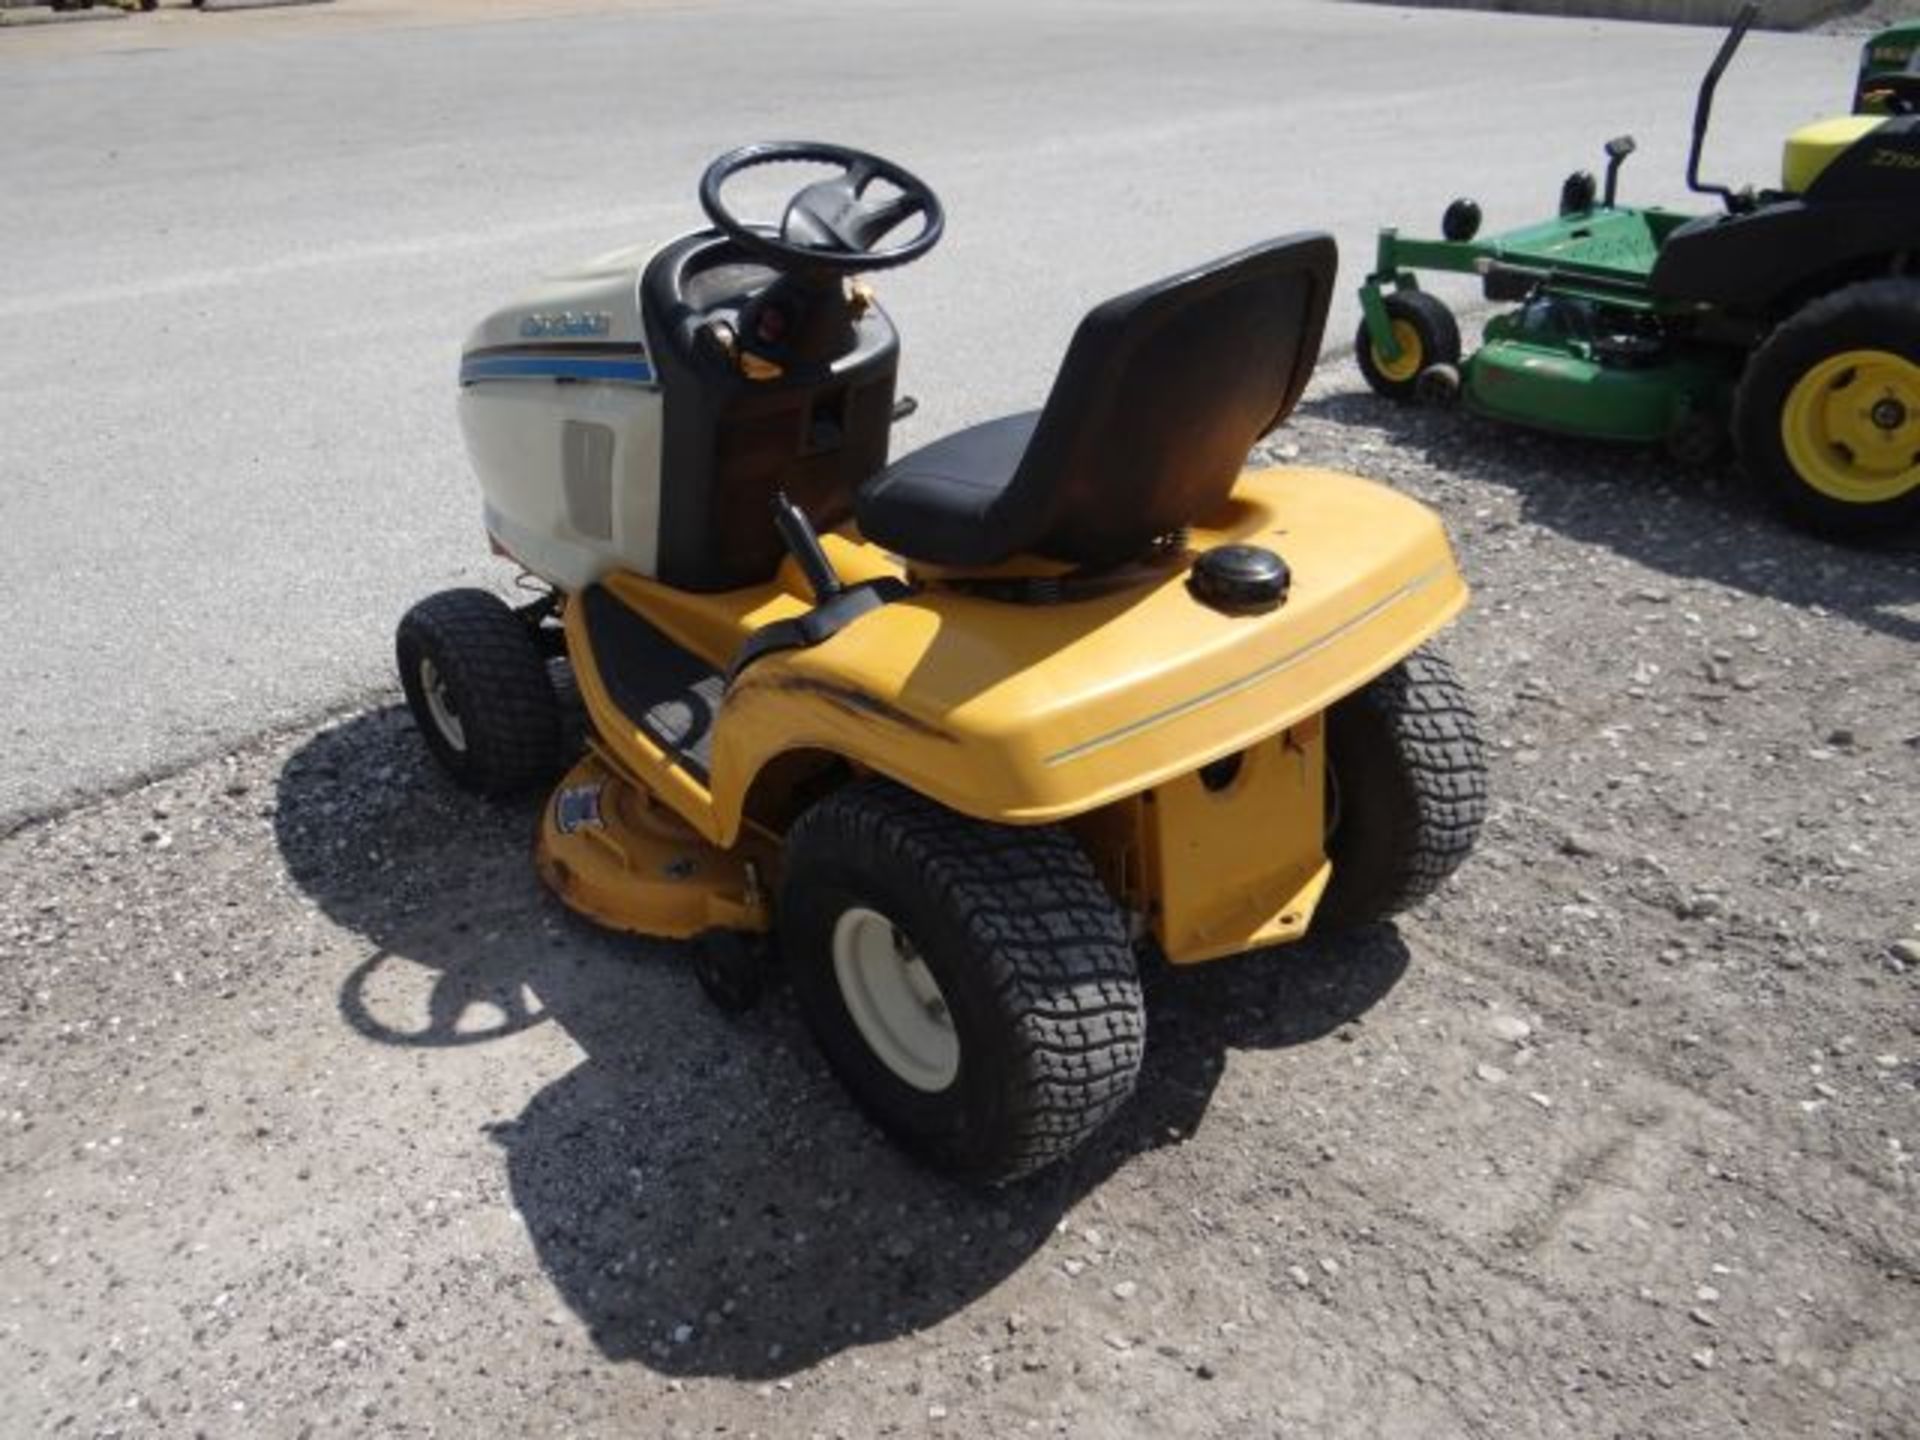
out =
column 848, row 698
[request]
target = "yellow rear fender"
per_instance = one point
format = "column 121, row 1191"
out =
column 1028, row 714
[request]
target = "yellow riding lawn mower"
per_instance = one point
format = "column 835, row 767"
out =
column 967, row 735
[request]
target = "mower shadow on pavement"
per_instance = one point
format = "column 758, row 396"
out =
column 1691, row 524
column 698, row 1188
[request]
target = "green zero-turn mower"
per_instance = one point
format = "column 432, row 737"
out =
column 1789, row 318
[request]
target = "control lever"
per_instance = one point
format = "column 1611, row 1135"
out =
column 1617, row 152
column 804, row 545
column 836, row 605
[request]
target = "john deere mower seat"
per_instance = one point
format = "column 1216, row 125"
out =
column 1162, row 393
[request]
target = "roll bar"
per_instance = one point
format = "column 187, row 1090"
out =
column 1703, row 107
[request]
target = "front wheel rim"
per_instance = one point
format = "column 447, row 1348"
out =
column 445, row 714
column 1851, row 427
column 894, row 1001
column 1409, row 363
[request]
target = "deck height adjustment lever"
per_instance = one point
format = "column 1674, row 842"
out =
column 804, row 545
column 836, row 604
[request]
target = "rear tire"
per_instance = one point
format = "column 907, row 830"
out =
column 1827, row 417
column 1407, row 791
column 1428, row 336
column 479, row 690
column 971, row 984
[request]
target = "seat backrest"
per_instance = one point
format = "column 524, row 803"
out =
column 1162, row 394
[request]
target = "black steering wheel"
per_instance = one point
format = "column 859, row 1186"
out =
column 830, row 227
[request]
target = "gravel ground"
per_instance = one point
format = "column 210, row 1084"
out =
column 318, row 1117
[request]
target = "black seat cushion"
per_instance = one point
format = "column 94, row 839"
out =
column 1159, row 398
column 936, row 504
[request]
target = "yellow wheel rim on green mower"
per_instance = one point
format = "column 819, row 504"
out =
column 1408, row 365
column 1851, row 426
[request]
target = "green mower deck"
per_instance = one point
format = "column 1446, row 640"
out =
column 1544, row 365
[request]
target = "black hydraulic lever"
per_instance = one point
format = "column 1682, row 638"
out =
column 1703, row 107
column 804, row 545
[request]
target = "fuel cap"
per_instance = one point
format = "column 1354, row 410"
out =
column 1240, row 579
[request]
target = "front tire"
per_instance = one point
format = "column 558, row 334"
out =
column 1427, row 334
column 478, row 688
column 971, row 984
column 1407, row 791
column 1827, row 418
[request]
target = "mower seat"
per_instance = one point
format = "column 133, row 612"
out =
column 1161, row 395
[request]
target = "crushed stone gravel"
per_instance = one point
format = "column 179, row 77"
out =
column 318, row 1116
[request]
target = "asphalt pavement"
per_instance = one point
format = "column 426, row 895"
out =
column 240, row 253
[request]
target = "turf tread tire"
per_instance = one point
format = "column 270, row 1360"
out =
column 1439, row 336
column 498, row 681
column 1028, row 947
column 1411, row 773
column 1870, row 314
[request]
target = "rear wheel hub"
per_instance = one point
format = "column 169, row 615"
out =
column 1852, row 426
column 894, row 999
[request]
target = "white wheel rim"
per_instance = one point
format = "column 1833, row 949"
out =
column 894, row 1000
column 446, row 719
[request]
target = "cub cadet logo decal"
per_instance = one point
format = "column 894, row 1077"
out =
column 575, row 806
column 1895, row 159
column 569, row 323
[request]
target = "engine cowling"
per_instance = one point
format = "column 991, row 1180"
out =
column 562, row 416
